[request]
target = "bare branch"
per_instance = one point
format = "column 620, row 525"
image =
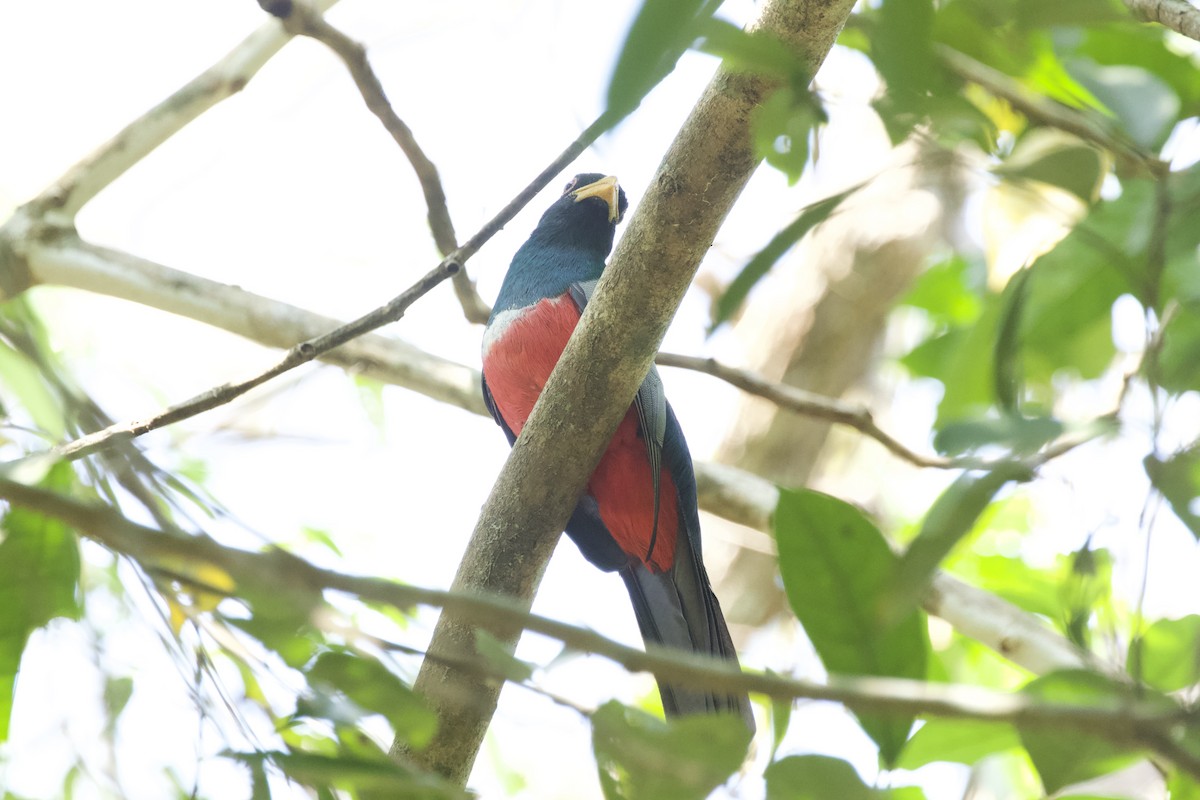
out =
column 1178, row 15
column 813, row 405
column 184, row 558
column 60, row 202
column 301, row 19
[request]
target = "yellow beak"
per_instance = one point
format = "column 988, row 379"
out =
column 606, row 189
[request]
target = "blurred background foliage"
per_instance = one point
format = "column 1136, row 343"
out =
column 1064, row 321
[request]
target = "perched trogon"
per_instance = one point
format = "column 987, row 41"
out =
column 638, row 515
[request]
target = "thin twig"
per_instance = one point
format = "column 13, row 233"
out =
column 289, row 575
column 304, row 20
column 853, row 416
column 1178, row 15
column 295, row 357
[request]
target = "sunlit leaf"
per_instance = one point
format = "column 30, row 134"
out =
column 950, row 518
column 836, row 567
column 381, row 774
column 1059, row 159
column 372, row 686
column 39, row 580
column 500, row 659
column 784, row 126
column 945, row 292
column 661, row 32
column 640, row 756
column 1015, row 433
column 1178, row 479
column 735, row 294
column 816, row 778
column 1175, row 369
column 962, row 741
column 1167, row 654
column 1144, row 104
column 1062, row 760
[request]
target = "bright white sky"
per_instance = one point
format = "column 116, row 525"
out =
column 294, row 191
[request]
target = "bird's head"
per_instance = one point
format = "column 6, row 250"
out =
column 587, row 213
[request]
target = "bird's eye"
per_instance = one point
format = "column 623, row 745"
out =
column 571, row 184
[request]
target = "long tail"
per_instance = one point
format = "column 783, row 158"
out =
column 678, row 609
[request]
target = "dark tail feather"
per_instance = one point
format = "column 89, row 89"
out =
column 678, row 609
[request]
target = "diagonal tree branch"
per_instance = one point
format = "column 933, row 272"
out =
column 606, row 359
column 184, row 557
column 301, row 19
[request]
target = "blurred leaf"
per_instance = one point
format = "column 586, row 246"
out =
column 321, row 537
column 260, row 789
column 372, row 686
column 640, row 756
column 1182, row 786
column 962, row 741
column 117, row 692
column 39, row 580
column 735, row 294
column 1175, row 367
column 1167, row 654
column 661, row 32
column 1178, row 480
column 781, row 717
column 1063, row 760
column 783, row 128
column 1143, row 46
column 1047, row 74
column 836, row 566
column 21, row 377
column 500, row 659
column 961, row 359
column 315, row 770
column 1007, row 375
column 1145, row 106
column 944, row 292
column 902, row 48
column 816, row 778
column 1085, row 587
column 370, row 395
column 756, row 51
column 1052, row 156
column 951, row 518
column 1018, row 434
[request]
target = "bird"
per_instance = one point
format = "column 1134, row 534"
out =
column 638, row 515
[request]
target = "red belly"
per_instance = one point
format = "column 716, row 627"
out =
column 517, row 366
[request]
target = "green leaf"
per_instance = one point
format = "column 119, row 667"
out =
column 1052, row 156
column 39, row 580
column 1018, row 434
column 962, row 741
column 500, row 659
column 783, row 127
column 1178, row 480
column 1143, row 46
column 372, row 686
column 1175, row 367
column 117, row 692
column 816, row 778
column 945, row 292
column 735, row 294
column 1062, row 760
column 756, row 51
column 1167, row 655
column 661, row 32
column 950, row 519
column 836, row 566
column 28, row 386
column 962, row 360
column 1006, row 352
column 641, row 756
column 1145, row 105
column 311, row 769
